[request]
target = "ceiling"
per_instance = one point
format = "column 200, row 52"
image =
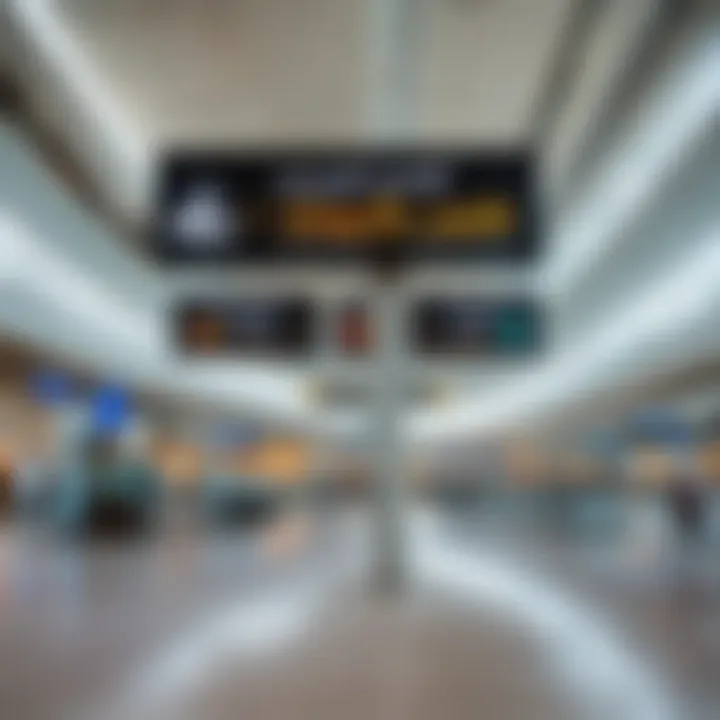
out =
column 118, row 80
column 218, row 70
column 122, row 79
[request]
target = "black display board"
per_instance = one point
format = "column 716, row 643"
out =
column 401, row 206
column 471, row 327
column 262, row 327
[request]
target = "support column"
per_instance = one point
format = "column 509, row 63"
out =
column 385, row 426
column 397, row 34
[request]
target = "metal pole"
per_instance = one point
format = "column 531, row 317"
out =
column 398, row 29
column 391, row 561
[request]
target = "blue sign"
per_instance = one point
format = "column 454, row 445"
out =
column 111, row 410
column 51, row 387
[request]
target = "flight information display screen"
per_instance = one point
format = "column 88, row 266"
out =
column 262, row 327
column 359, row 206
column 458, row 327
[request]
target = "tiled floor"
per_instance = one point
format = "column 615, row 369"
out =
column 282, row 625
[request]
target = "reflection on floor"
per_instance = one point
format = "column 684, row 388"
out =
column 281, row 624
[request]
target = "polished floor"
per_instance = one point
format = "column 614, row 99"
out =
column 283, row 623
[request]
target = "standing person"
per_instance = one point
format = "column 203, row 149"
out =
column 686, row 501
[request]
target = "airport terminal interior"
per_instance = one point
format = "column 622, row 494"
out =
column 360, row 359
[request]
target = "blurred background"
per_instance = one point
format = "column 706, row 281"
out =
column 354, row 522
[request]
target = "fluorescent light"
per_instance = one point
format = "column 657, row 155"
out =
column 677, row 118
column 87, row 306
column 63, row 51
column 11, row 249
column 637, row 168
column 678, row 299
column 44, row 273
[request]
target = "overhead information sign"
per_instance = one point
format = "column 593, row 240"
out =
column 262, row 327
column 285, row 207
column 462, row 327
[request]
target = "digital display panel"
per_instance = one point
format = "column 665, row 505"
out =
column 261, row 327
column 334, row 205
column 458, row 327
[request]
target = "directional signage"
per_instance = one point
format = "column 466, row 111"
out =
column 404, row 205
column 111, row 410
column 263, row 327
column 458, row 327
